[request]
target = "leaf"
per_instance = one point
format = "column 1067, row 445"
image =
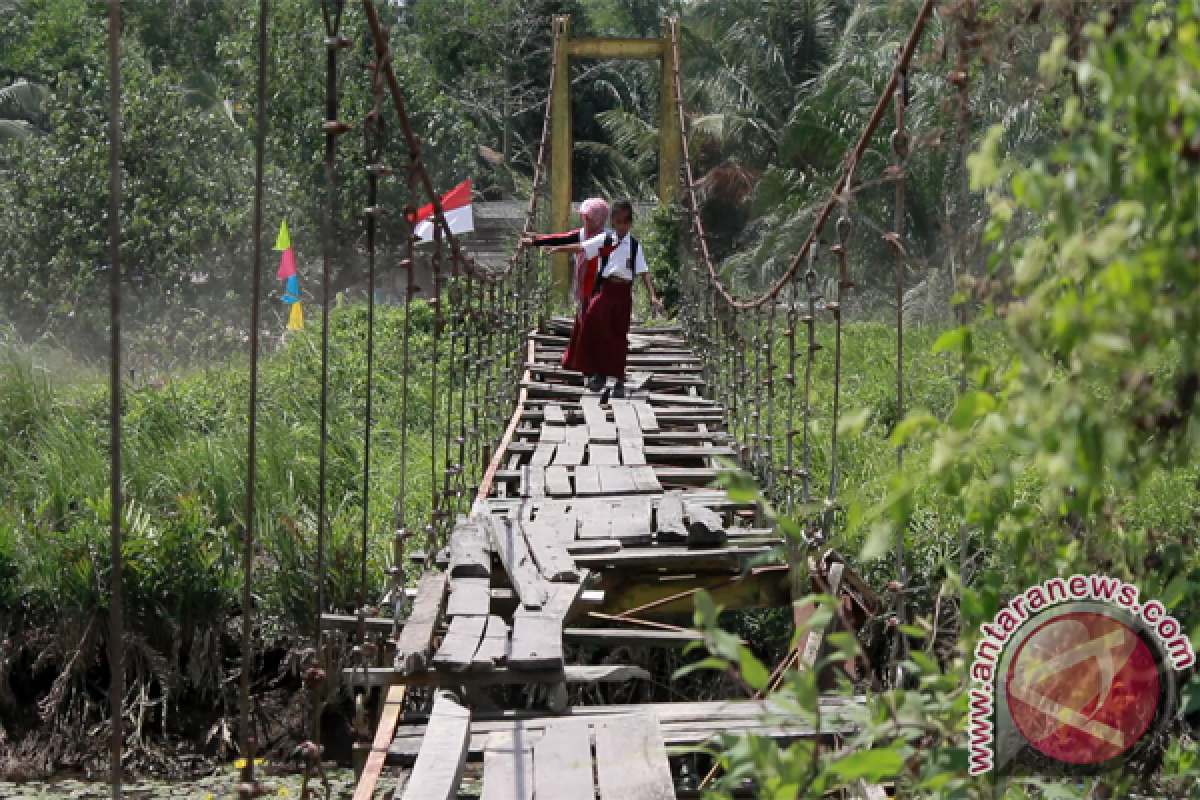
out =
column 952, row 340
column 878, row 542
column 1176, row 590
column 753, row 671
column 853, row 422
column 710, row 663
column 871, row 766
column 970, row 407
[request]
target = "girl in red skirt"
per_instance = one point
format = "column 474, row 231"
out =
column 602, row 344
column 594, row 211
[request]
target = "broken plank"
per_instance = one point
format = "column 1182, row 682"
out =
column 563, row 761
column 635, row 381
column 646, row 416
column 598, row 427
column 626, row 417
column 469, row 597
column 553, row 414
column 616, row 480
column 633, row 451
column 593, row 546
column 493, row 647
column 595, row 519
column 460, row 643
column 470, row 552
column 631, row 760
column 443, row 755
column 518, row 562
column 645, row 480
column 552, row 434
column 604, row 455
column 669, row 524
column 558, row 483
column 544, row 454
column 705, row 527
column 415, row 643
column 570, row 453
column 508, row 767
column 536, row 641
column 533, row 482
column 587, row 480
column 631, row 522
column 552, row 559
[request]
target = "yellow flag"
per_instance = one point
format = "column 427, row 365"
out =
column 296, row 318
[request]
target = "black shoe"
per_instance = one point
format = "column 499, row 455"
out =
column 595, row 383
column 619, row 390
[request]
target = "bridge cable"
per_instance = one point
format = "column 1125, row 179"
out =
column 331, row 12
column 249, row 787
column 116, row 622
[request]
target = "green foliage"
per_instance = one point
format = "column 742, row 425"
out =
column 184, row 471
column 661, row 237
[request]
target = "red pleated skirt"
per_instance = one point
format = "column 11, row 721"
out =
column 599, row 343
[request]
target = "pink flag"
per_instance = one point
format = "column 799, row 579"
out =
column 287, row 265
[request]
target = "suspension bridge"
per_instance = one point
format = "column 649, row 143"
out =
column 564, row 523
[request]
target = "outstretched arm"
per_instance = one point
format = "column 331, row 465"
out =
column 576, row 247
column 550, row 239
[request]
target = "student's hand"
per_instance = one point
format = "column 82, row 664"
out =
column 527, row 241
column 658, row 306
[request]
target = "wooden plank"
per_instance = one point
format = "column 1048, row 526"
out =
column 633, row 451
column 563, row 761
column 645, row 480
column 518, row 562
column 626, row 416
column 669, row 524
column 635, row 381
column 631, row 522
column 536, row 641
column 593, row 546
column 544, row 454
column 598, row 427
column 632, row 637
column 631, row 760
column 489, row 477
column 553, row 414
column 508, row 767
column 705, row 527
column 587, row 481
column 384, row 676
column 552, row 559
column 385, row 731
column 443, row 756
column 570, row 453
column 558, row 514
column 470, row 552
column 533, row 482
column 469, row 597
column 604, row 455
column 646, row 416
column 493, row 647
column 595, row 520
column 616, row 480
column 558, row 482
column 460, row 643
column 552, row 434
column 563, row 596
column 415, row 643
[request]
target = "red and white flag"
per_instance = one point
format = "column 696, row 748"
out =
column 456, row 208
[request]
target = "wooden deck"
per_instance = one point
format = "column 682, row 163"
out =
column 598, row 518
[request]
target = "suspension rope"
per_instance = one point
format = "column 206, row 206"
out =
column 843, row 233
column 374, row 138
column 809, row 320
column 116, row 621
column 249, row 787
column 899, row 146
column 331, row 11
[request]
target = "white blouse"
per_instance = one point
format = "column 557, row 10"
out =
column 618, row 260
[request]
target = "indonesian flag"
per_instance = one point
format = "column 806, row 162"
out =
column 456, row 208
